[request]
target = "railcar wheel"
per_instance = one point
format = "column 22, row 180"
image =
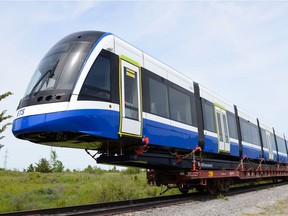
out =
column 224, row 184
column 200, row 188
column 184, row 190
column 211, row 187
column 158, row 183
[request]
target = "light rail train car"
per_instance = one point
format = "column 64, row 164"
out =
column 94, row 91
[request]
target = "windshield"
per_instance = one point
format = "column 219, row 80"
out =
column 59, row 69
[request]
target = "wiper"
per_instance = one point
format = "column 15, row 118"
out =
column 50, row 73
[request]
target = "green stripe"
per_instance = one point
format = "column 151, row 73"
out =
column 220, row 106
column 130, row 60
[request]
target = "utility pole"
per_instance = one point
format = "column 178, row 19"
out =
column 5, row 159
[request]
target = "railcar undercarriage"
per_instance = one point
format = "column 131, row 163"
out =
column 194, row 170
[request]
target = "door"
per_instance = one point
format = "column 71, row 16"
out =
column 222, row 129
column 268, row 138
column 130, row 98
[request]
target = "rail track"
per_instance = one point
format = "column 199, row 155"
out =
column 138, row 204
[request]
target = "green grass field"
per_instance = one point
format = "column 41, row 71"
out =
column 26, row 191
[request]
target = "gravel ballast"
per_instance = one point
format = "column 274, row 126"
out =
column 242, row 204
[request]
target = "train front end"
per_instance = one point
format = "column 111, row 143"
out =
column 56, row 109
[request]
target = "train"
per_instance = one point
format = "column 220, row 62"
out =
column 95, row 91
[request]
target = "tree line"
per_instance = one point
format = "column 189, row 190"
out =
column 44, row 166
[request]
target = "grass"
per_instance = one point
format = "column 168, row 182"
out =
column 222, row 196
column 26, row 191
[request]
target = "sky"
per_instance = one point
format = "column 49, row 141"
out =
column 237, row 49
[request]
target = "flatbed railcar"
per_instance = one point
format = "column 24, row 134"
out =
column 94, row 91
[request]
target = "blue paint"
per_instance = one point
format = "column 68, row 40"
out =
column 211, row 144
column 102, row 123
column 105, row 123
column 252, row 153
column 170, row 136
column 234, row 149
column 282, row 159
column 35, row 123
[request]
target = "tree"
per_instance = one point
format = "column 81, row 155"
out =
column 30, row 168
column 43, row 166
column 4, row 117
column 57, row 165
column 132, row 170
column 94, row 170
column 89, row 169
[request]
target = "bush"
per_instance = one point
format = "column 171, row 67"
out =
column 93, row 170
column 132, row 170
column 43, row 166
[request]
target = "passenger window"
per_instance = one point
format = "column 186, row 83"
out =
column 131, row 94
column 245, row 131
column 255, row 134
column 272, row 140
column 208, row 115
column 97, row 82
column 158, row 98
column 232, row 125
column 249, row 132
column 281, row 145
column 180, row 106
column 264, row 138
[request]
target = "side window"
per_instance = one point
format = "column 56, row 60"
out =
column 208, row 115
column 245, row 130
column 273, row 144
column 158, row 94
column 180, row 106
column 232, row 125
column 250, row 132
column 281, row 144
column 97, row 83
column 255, row 134
column 264, row 138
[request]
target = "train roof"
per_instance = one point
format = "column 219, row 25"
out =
column 83, row 36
